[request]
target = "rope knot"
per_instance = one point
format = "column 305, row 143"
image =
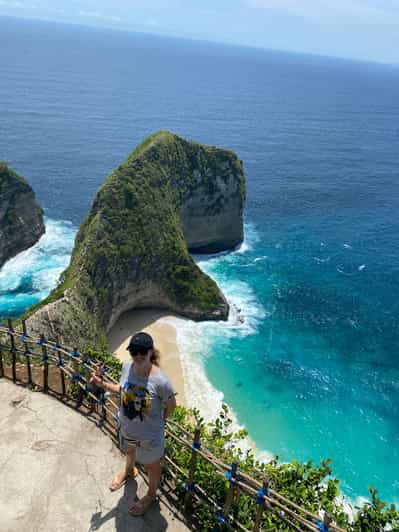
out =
column 231, row 476
column 261, row 496
column 322, row 527
column 220, row 517
column 101, row 400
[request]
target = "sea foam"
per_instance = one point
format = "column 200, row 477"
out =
column 32, row 274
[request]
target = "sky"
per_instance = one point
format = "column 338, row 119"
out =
column 356, row 29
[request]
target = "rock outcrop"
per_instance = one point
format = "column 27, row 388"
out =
column 132, row 251
column 21, row 218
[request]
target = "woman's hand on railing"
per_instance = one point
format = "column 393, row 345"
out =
column 98, row 380
column 97, row 376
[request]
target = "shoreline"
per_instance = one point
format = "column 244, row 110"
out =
column 164, row 334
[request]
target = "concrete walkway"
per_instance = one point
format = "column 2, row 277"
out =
column 55, row 467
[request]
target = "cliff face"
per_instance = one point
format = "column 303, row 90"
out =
column 212, row 201
column 132, row 249
column 21, row 218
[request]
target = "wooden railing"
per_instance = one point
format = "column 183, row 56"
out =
column 44, row 360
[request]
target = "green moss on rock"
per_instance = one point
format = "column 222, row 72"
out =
column 131, row 250
column 21, row 218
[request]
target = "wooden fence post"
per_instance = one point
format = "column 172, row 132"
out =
column 86, row 376
column 193, row 462
column 13, row 351
column 261, row 504
column 231, row 475
column 103, row 409
column 60, row 365
column 45, row 363
column 1, row 362
column 27, row 352
column 76, row 377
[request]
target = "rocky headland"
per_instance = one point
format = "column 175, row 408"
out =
column 21, row 218
column 169, row 197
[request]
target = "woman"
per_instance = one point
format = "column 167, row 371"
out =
column 147, row 399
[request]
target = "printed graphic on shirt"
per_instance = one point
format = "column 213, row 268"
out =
column 135, row 401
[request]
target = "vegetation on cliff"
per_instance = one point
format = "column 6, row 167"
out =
column 21, row 218
column 131, row 252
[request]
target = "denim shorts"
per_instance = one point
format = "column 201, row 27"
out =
column 146, row 452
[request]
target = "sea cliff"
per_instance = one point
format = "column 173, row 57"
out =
column 21, row 218
column 132, row 251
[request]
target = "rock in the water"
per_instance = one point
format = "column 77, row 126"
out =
column 21, row 218
column 132, row 250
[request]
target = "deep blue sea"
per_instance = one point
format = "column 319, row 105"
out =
column 309, row 361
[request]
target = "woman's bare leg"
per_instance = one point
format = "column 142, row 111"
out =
column 154, row 478
column 130, row 460
column 128, row 470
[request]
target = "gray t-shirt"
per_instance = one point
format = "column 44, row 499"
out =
column 141, row 411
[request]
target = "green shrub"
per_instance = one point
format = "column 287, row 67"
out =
column 309, row 485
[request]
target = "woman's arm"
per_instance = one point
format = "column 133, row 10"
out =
column 170, row 405
column 107, row 386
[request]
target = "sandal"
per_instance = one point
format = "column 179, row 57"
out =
column 118, row 484
column 142, row 505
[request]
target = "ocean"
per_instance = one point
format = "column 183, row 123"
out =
column 308, row 361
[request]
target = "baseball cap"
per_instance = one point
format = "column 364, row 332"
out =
column 141, row 339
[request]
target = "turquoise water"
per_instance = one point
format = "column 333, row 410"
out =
column 309, row 359
column 29, row 277
column 305, row 371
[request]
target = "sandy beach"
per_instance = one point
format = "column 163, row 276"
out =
column 164, row 335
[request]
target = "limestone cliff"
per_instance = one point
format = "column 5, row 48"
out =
column 21, row 218
column 132, row 250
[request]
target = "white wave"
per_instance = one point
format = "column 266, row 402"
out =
column 243, row 248
column 318, row 259
column 361, row 267
column 43, row 263
column 345, row 273
column 194, row 343
column 349, row 505
column 250, row 239
column 262, row 258
column 246, row 313
column 347, row 246
column 46, row 280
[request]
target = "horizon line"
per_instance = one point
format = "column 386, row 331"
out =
column 166, row 35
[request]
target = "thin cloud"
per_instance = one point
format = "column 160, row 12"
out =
column 99, row 16
column 321, row 9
